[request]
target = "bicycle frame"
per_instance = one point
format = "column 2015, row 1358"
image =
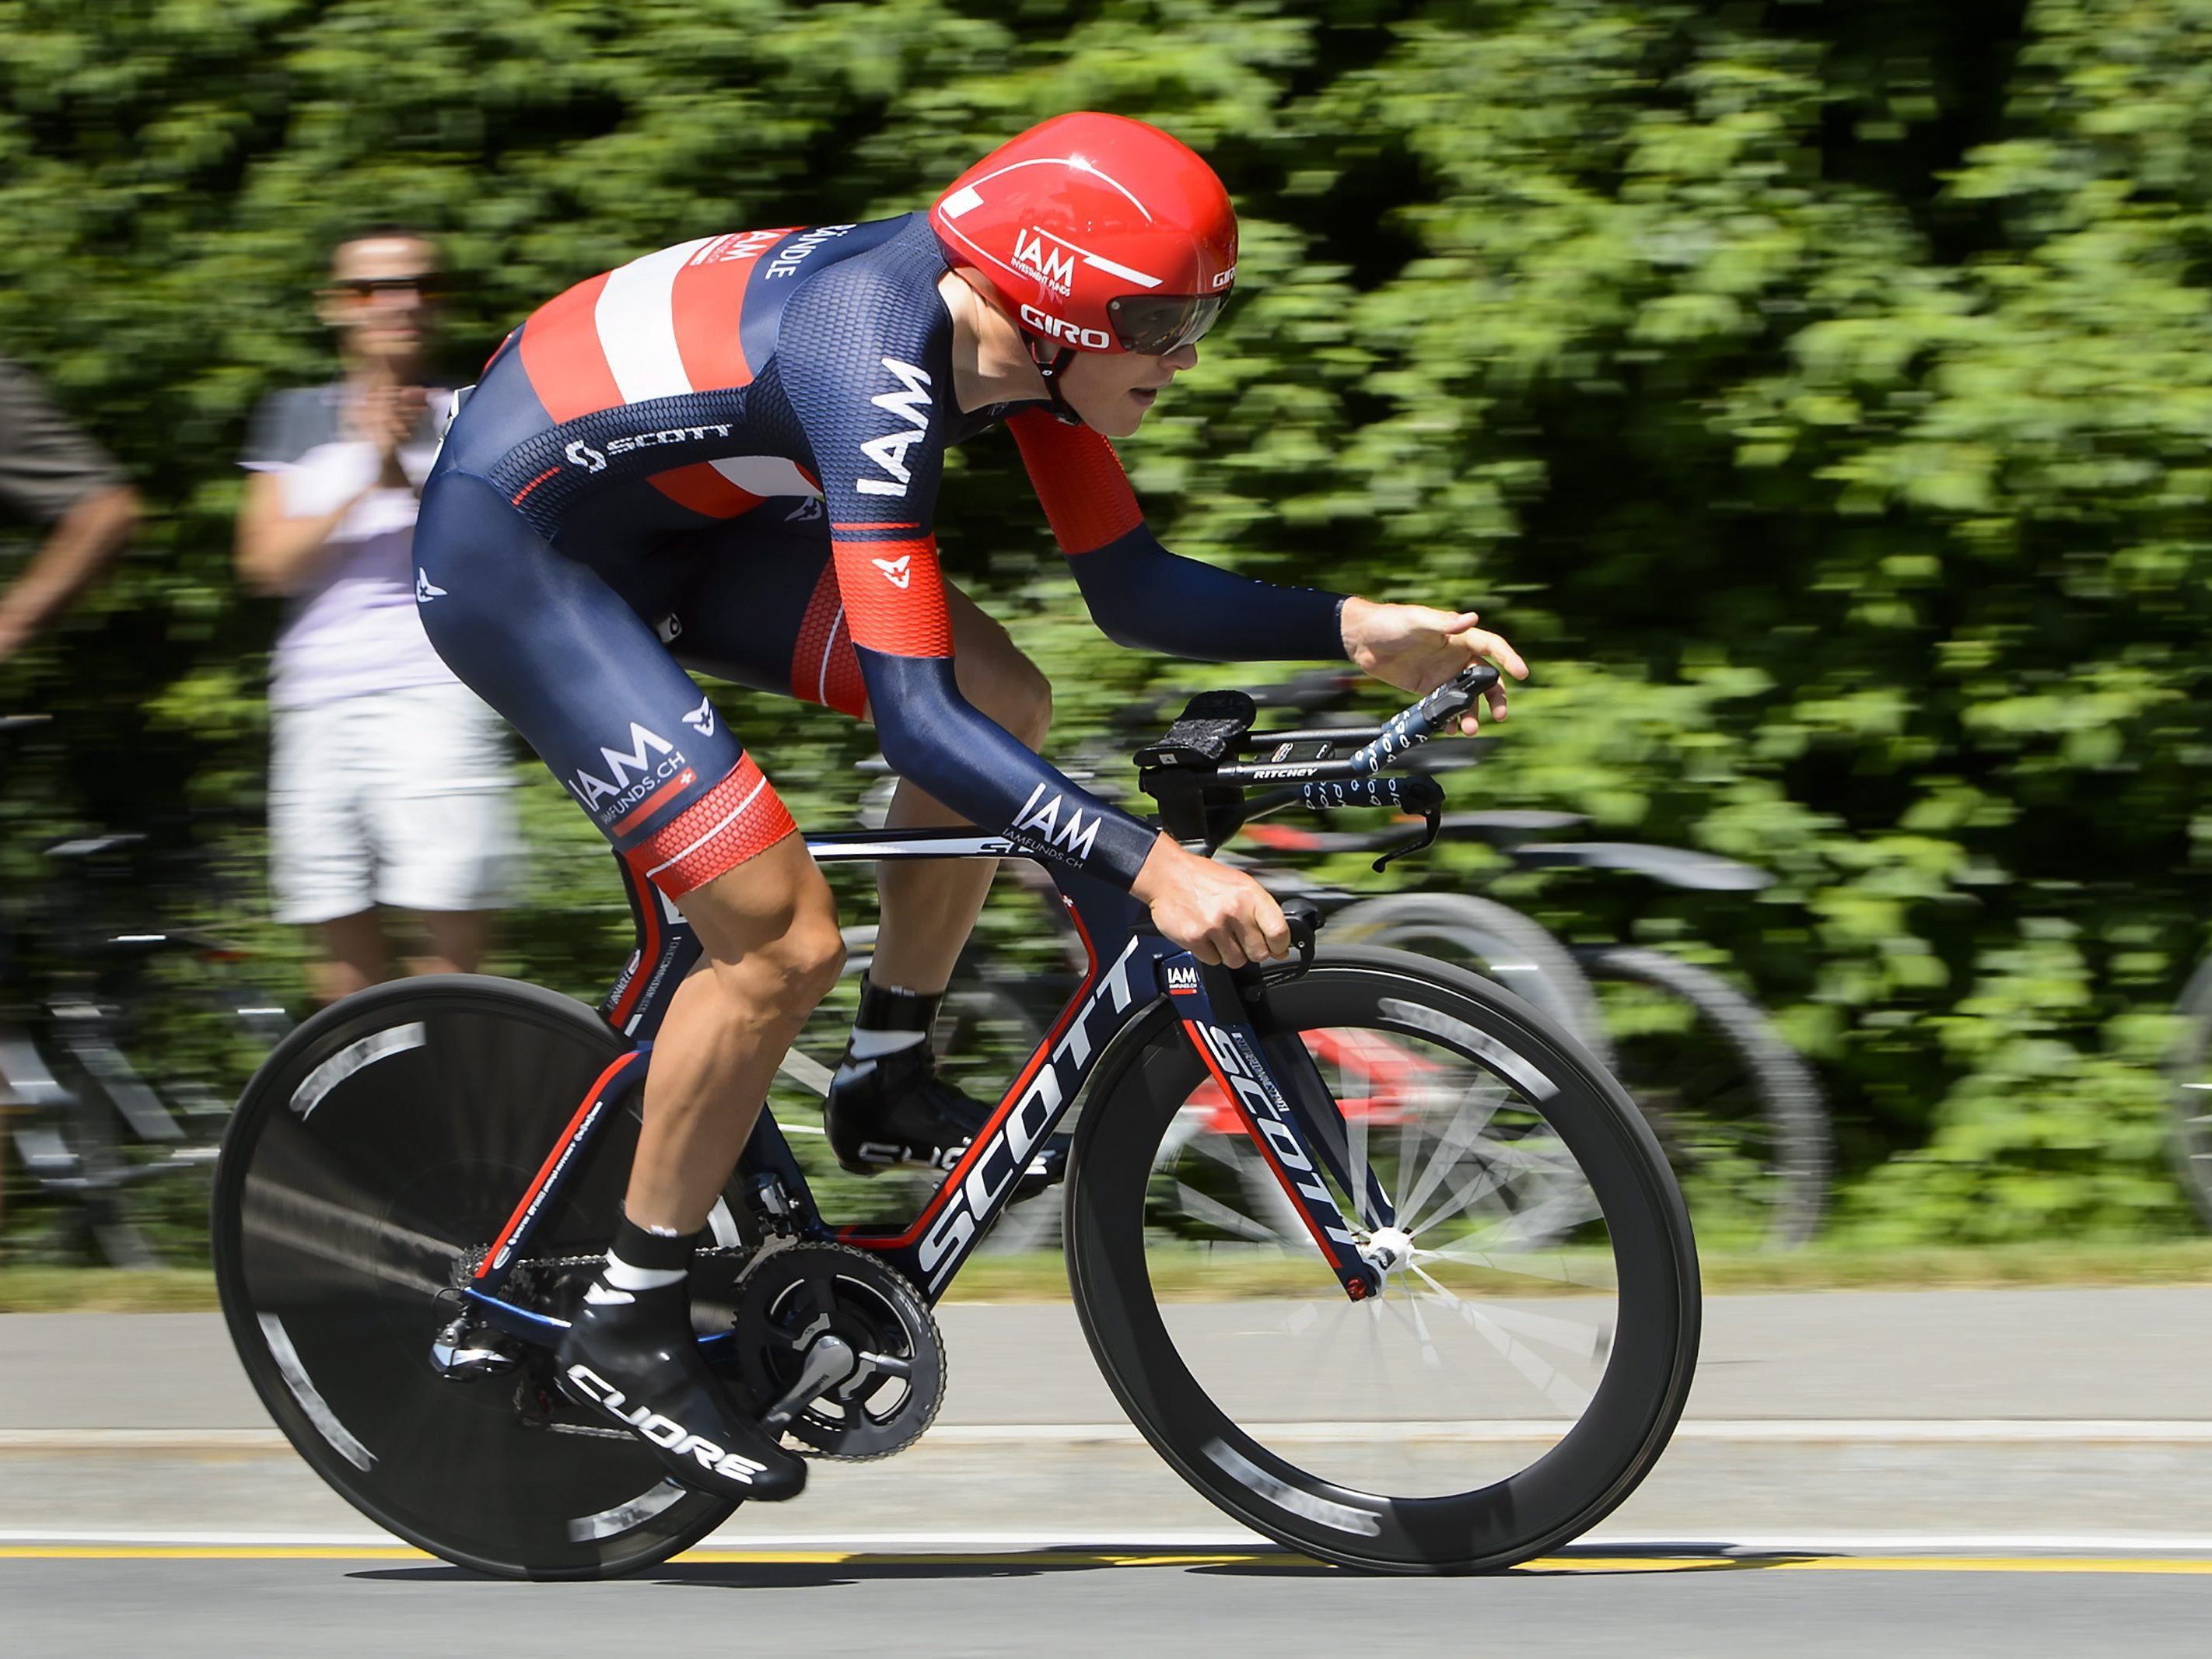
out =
column 1276, row 1090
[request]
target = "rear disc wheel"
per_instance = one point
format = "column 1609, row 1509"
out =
column 373, row 1158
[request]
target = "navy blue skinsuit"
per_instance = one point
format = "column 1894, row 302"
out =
column 726, row 455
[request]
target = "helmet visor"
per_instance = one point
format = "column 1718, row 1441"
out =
column 1154, row 325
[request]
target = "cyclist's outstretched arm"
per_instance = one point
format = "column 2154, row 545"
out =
column 1143, row 596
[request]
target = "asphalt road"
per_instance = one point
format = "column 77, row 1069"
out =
column 2141, row 1353
column 1064, row 1604
column 1955, row 1472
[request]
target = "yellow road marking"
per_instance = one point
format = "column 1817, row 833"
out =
column 1775, row 1562
column 210, row 1553
column 1995, row 1563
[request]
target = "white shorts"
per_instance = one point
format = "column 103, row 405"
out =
column 392, row 797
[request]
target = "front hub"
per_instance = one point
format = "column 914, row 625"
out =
column 1390, row 1250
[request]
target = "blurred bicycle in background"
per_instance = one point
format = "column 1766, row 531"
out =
column 123, row 1043
column 1740, row 1114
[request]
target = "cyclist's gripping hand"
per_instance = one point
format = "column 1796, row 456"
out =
column 1217, row 914
column 1417, row 648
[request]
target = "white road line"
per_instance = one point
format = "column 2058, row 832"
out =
column 734, row 1539
column 2127, row 1432
column 1921, row 1543
column 1867, row 1430
column 140, row 1440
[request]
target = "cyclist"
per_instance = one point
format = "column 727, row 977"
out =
column 725, row 454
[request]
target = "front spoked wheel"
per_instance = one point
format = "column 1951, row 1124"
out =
column 1527, row 1357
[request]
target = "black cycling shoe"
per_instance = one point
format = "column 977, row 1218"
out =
column 895, row 1112
column 636, row 1361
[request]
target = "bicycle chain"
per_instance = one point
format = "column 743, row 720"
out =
column 472, row 1262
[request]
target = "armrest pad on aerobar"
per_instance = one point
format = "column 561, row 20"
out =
column 1211, row 728
column 1673, row 866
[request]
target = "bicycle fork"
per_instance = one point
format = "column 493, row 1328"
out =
column 1290, row 1115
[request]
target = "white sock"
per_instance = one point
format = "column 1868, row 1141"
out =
column 874, row 1045
column 621, row 1276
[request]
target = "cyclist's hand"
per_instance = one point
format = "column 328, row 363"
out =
column 1217, row 914
column 1417, row 648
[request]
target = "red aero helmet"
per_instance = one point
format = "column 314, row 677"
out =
column 1101, row 233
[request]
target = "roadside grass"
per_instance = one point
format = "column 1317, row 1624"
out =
column 105, row 1289
column 1195, row 1274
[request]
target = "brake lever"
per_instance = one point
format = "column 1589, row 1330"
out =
column 1304, row 918
column 1432, row 819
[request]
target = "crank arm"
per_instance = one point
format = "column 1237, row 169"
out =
column 830, row 1360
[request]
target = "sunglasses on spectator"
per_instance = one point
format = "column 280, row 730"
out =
column 367, row 287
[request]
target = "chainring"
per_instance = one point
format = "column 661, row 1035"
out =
column 790, row 1298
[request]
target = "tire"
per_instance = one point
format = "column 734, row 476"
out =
column 1494, row 940
column 1739, row 1113
column 358, row 1189
column 2189, row 1068
column 1231, row 1394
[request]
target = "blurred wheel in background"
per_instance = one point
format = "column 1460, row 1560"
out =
column 1739, row 1112
column 2190, row 1069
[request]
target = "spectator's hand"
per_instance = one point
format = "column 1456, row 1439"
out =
column 386, row 417
column 1417, row 648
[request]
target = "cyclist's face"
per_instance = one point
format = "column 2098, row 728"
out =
column 1113, row 393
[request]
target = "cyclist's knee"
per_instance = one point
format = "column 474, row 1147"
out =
column 809, row 957
column 769, row 928
column 1011, row 689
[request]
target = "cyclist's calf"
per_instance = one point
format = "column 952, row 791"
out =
column 769, row 931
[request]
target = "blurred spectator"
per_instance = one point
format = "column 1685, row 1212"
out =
column 53, row 474
column 388, row 779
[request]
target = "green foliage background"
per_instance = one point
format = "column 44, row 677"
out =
column 1817, row 393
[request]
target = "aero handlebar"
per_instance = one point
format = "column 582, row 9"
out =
column 1439, row 711
column 1417, row 792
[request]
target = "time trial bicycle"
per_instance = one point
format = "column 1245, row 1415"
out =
column 1479, row 1346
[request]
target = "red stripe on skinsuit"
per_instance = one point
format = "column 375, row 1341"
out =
column 894, row 596
column 562, row 354
column 704, row 490
column 707, row 303
column 653, row 802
